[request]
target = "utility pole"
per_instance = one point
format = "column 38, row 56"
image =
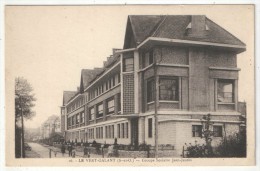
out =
column 156, row 104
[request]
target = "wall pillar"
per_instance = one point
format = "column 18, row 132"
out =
column 136, row 82
column 141, row 132
column 104, row 110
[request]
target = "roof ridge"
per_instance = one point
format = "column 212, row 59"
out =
column 68, row 91
column 226, row 31
column 155, row 32
column 135, row 37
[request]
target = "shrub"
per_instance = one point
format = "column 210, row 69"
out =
column 233, row 146
column 196, row 151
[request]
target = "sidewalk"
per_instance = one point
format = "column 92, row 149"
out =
column 31, row 154
column 78, row 154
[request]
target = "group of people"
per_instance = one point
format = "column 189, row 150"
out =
column 71, row 149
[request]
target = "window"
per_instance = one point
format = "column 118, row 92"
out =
column 111, row 106
column 106, row 131
column 225, row 91
column 91, row 133
column 169, row 89
column 99, row 132
column 109, row 131
column 113, row 81
column 150, row 61
column 196, row 130
column 109, row 83
column 123, row 130
column 91, row 113
column 72, row 122
column 118, row 130
column 119, row 102
column 99, row 90
column 78, row 119
column 100, row 111
column 112, row 131
column 106, row 85
column 68, row 122
column 126, row 130
column 128, row 64
column 217, row 131
column 82, row 119
column 150, row 90
column 119, row 78
column 150, row 128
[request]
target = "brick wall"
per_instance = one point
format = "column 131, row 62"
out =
column 219, row 58
column 172, row 55
column 128, row 93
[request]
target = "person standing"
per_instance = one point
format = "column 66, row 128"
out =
column 62, row 149
column 86, row 152
column 110, row 151
column 73, row 153
column 70, row 150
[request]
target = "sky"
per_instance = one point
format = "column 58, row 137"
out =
column 49, row 45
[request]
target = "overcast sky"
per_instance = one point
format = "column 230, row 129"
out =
column 50, row 45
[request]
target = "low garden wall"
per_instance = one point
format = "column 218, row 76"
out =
column 124, row 153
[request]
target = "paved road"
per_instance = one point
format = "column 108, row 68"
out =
column 42, row 151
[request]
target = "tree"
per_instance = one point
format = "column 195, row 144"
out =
column 207, row 133
column 24, row 99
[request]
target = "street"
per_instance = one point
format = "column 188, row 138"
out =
column 42, row 151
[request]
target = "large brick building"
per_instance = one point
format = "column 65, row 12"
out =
column 184, row 66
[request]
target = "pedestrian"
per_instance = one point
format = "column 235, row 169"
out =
column 110, row 151
column 70, row 150
column 73, row 152
column 86, row 152
column 63, row 149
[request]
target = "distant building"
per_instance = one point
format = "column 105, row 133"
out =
column 188, row 62
column 51, row 125
column 67, row 95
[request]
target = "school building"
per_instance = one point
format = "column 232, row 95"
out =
column 177, row 68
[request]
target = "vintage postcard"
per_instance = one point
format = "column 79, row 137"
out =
column 130, row 85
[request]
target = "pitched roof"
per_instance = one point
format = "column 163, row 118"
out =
column 175, row 27
column 67, row 95
column 86, row 76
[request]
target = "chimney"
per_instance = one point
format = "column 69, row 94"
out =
column 198, row 25
column 104, row 63
column 114, row 50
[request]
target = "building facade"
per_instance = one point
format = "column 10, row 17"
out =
column 172, row 71
column 50, row 126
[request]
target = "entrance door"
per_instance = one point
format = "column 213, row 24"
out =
column 134, row 131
